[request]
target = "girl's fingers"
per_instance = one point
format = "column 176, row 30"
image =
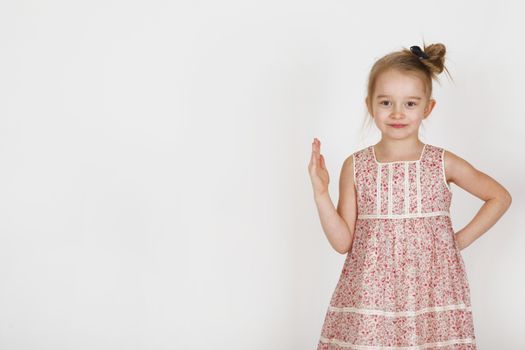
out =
column 316, row 157
column 315, row 151
column 313, row 159
column 316, row 146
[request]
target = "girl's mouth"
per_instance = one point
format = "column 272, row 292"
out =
column 397, row 125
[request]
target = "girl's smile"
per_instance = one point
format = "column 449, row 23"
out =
column 397, row 125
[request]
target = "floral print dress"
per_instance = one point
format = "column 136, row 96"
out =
column 403, row 284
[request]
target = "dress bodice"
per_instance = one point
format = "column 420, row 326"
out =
column 401, row 189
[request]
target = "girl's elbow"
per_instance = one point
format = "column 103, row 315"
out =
column 340, row 248
column 508, row 199
column 505, row 199
column 344, row 249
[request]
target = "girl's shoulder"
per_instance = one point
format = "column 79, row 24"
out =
column 443, row 151
column 361, row 150
column 358, row 156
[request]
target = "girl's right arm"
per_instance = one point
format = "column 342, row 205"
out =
column 338, row 224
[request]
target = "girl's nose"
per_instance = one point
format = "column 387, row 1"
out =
column 397, row 114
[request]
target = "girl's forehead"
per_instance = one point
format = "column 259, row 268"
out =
column 394, row 83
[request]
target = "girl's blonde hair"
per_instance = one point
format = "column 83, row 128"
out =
column 405, row 61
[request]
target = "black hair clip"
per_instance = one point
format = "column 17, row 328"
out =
column 416, row 50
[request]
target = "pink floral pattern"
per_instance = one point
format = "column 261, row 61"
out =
column 403, row 284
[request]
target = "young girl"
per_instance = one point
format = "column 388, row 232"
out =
column 403, row 284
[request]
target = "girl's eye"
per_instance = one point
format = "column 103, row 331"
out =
column 410, row 104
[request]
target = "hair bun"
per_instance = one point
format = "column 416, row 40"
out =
column 436, row 57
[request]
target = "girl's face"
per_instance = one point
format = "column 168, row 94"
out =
column 399, row 104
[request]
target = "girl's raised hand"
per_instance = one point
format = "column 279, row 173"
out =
column 317, row 170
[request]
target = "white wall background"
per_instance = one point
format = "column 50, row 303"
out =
column 154, row 191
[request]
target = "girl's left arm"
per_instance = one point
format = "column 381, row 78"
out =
column 497, row 198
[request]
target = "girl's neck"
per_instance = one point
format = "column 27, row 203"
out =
column 398, row 150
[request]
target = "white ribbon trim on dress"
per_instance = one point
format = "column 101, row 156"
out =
column 400, row 313
column 412, row 347
column 402, row 216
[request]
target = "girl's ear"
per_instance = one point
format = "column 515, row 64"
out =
column 430, row 106
column 368, row 106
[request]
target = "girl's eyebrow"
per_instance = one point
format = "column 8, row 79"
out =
column 414, row 97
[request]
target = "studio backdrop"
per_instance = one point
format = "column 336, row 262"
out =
column 154, row 191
